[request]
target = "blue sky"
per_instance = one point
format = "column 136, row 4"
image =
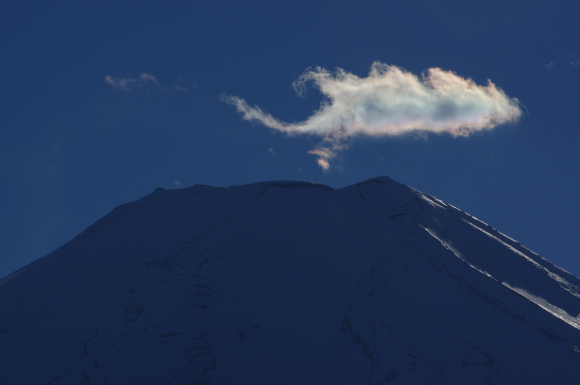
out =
column 74, row 145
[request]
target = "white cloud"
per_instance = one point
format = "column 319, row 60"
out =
column 323, row 163
column 390, row 101
column 145, row 81
column 127, row 84
column 327, row 150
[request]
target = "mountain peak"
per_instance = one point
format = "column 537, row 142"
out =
column 290, row 282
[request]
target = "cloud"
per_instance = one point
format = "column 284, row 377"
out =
column 144, row 80
column 127, row 84
column 390, row 102
column 323, row 163
column 326, row 150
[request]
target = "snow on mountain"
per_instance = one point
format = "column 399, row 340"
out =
column 290, row 283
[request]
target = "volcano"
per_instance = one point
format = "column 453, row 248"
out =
column 290, row 283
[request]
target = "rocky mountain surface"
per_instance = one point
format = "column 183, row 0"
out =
column 290, row 283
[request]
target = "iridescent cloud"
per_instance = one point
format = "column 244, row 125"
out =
column 390, row 101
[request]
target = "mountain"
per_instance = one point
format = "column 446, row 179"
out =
column 290, row 283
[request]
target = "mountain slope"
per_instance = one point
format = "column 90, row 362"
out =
column 290, row 282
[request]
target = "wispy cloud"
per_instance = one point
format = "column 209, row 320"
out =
column 390, row 101
column 143, row 81
column 127, row 84
column 327, row 150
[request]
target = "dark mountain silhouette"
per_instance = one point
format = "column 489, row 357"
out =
column 290, row 283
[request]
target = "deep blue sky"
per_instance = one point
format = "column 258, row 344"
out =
column 72, row 147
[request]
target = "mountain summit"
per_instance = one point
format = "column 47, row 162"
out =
column 290, row 283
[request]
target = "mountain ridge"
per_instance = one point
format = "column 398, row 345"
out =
column 286, row 282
